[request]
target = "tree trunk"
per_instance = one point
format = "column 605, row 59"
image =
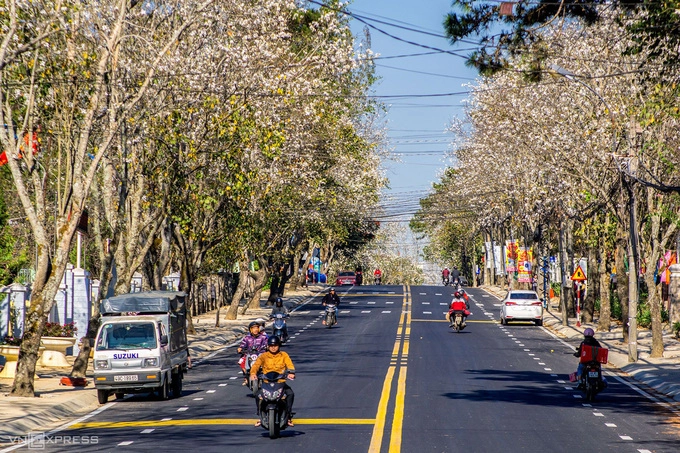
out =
column 564, row 278
column 232, row 311
column 604, row 320
column 259, row 279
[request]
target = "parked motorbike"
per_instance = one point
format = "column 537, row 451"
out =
column 272, row 404
column 279, row 327
column 330, row 318
column 591, row 380
column 246, row 362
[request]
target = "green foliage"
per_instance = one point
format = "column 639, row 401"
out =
column 556, row 287
column 617, row 310
column 676, row 329
column 13, row 253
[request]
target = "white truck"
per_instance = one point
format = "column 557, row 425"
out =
column 141, row 345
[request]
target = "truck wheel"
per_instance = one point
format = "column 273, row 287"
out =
column 163, row 390
column 103, row 396
column 177, row 384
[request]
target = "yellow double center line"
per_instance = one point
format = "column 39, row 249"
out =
column 400, row 362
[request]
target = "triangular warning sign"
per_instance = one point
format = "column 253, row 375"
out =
column 578, row 275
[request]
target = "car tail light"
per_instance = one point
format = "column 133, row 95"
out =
column 510, row 303
column 537, row 303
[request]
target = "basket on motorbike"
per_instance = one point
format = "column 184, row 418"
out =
column 593, row 353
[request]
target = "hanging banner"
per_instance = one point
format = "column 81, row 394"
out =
column 511, row 252
column 525, row 258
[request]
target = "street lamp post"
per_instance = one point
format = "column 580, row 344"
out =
column 633, row 292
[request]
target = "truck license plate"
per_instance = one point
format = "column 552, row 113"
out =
column 126, row 378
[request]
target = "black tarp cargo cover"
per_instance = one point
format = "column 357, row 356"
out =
column 145, row 302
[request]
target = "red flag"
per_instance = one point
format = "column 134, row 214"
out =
column 506, row 8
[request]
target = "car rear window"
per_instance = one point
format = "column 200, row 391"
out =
column 346, row 274
column 523, row 296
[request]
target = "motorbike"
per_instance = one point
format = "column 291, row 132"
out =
column 377, row 280
column 456, row 320
column 246, row 362
column 279, row 327
column 272, row 404
column 330, row 316
column 445, row 280
column 591, row 380
column 359, row 278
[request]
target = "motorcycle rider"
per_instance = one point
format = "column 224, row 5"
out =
column 279, row 361
column 377, row 275
column 457, row 303
column 279, row 308
column 455, row 277
column 445, row 275
column 256, row 339
column 588, row 340
column 331, row 299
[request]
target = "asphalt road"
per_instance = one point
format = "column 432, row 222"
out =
column 390, row 377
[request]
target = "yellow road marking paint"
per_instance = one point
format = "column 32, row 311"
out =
column 218, row 421
column 379, row 427
column 398, row 421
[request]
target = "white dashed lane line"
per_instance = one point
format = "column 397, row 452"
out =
column 127, row 442
column 147, row 431
column 182, row 409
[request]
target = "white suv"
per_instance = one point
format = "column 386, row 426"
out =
column 521, row 305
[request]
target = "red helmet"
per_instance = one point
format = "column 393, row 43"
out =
column 456, row 294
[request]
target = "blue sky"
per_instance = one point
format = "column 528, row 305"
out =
column 416, row 123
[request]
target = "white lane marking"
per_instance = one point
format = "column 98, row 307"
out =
column 426, row 303
column 148, row 431
column 182, row 409
column 423, row 294
column 541, row 363
column 521, row 344
column 127, row 442
column 488, row 314
column 485, row 295
column 366, row 311
column 390, row 292
column 198, row 399
column 598, row 414
column 532, row 354
column 610, row 425
column 211, row 391
column 222, row 385
column 437, row 294
column 560, row 381
column 568, row 388
column 443, row 303
column 527, row 350
column 386, row 311
column 342, row 312
column 166, row 419
column 547, row 369
column 303, row 312
column 536, row 358
column 626, row 438
column 644, row 451
column 577, row 396
column 496, row 305
column 353, row 303
column 371, row 303
column 427, row 312
column 587, row 405
column 389, row 302
column 232, row 378
column 517, row 341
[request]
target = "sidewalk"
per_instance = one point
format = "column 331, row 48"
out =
column 56, row 404
column 660, row 374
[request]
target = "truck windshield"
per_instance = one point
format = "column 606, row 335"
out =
column 127, row 336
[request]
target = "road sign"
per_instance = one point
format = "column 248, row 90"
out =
column 578, row 275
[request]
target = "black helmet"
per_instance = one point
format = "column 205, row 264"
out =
column 332, row 289
column 274, row 341
column 279, row 301
column 253, row 324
